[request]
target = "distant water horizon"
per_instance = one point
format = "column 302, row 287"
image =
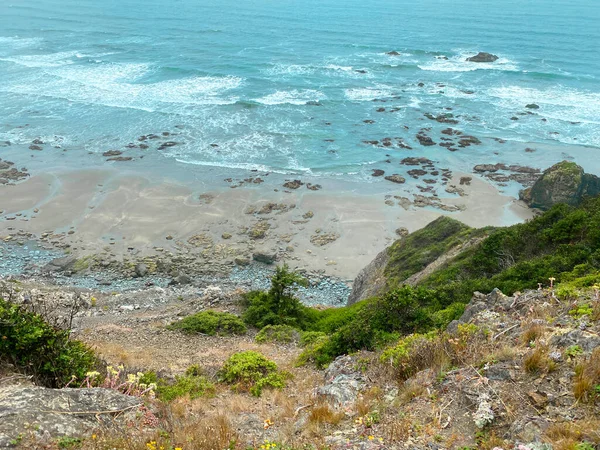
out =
column 302, row 87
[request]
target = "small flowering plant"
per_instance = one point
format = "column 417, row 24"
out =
column 119, row 380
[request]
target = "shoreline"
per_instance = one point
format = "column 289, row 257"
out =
column 126, row 217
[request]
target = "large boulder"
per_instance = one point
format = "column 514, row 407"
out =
column 343, row 382
column 53, row 413
column 565, row 182
column 483, row 57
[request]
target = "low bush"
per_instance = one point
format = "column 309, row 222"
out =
column 310, row 337
column 253, row 372
column 317, row 350
column 211, row 323
column 412, row 354
column 38, row 348
column 277, row 333
column 192, row 384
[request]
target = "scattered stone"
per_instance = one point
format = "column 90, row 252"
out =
column 141, row 270
column 377, row 173
column 112, row 153
column 322, row 239
column 532, row 106
column 120, row 158
column 35, row 147
column 226, row 236
column 402, row 231
column 293, row 184
column 395, row 178
column 266, row 256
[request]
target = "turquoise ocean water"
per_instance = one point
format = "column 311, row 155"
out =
column 287, row 85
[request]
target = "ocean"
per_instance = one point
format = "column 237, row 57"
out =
column 297, row 87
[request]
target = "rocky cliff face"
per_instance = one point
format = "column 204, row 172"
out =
column 565, row 182
column 410, row 258
column 371, row 280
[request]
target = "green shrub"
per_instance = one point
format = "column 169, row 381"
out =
column 566, row 292
column 278, row 306
column 253, row 372
column 317, row 350
column 585, row 309
column 573, row 351
column 192, row 384
column 40, row 349
column 277, row 333
column 411, row 354
column 67, row 442
column 211, row 323
column 310, row 337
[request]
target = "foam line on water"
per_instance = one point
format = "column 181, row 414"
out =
column 293, row 97
column 459, row 63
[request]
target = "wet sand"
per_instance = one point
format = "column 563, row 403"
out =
column 98, row 210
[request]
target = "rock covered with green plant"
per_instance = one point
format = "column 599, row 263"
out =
column 565, row 182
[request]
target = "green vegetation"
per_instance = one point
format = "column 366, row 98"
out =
column 192, row 384
column 38, row 348
column 563, row 244
column 278, row 306
column 211, row 323
column 253, row 372
column 579, row 311
column 419, row 249
column 69, row 442
column 277, row 333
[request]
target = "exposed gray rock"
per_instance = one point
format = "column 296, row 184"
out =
column 343, row 382
column 60, row 264
column 370, row 280
column 267, row 256
column 141, row 270
column 587, row 341
column 52, row 413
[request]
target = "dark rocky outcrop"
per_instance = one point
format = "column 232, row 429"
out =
column 395, row 178
column 565, row 182
column 483, row 57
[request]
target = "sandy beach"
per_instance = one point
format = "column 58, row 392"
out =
column 336, row 232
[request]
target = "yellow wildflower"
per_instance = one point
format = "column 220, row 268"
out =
column 94, row 436
column 371, row 438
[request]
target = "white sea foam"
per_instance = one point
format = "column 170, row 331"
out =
column 341, row 68
column 290, row 70
column 42, row 61
column 559, row 103
column 459, row 63
column 294, row 97
column 119, row 85
column 368, row 94
column 14, row 42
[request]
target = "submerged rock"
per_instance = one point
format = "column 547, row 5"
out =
column 565, row 182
